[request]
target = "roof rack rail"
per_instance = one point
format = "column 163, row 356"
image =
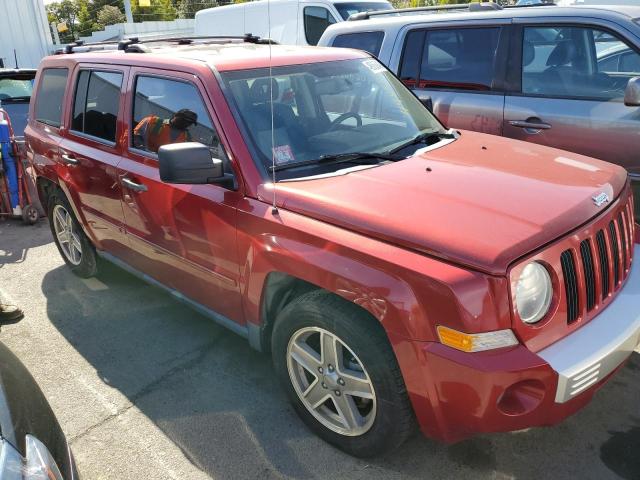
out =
column 470, row 7
column 137, row 45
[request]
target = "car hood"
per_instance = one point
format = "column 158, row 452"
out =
column 481, row 201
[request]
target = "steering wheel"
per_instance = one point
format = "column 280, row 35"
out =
column 343, row 117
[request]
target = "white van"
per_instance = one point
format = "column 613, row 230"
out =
column 293, row 22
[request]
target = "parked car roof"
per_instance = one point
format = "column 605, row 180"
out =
column 229, row 56
column 621, row 13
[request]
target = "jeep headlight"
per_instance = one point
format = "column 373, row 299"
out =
column 534, row 292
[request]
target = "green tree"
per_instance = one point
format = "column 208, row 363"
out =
column 158, row 11
column 188, row 8
column 110, row 15
column 65, row 11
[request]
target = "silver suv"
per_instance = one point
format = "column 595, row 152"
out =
column 545, row 74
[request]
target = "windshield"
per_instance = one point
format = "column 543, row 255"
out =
column 12, row 88
column 348, row 9
column 326, row 109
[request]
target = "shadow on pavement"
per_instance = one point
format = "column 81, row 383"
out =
column 219, row 401
column 17, row 238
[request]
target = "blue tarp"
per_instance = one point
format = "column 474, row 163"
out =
column 9, row 163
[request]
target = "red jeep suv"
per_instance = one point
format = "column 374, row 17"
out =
column 305, row 199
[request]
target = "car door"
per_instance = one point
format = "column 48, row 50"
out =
column 183, row 236
column 458, row 67
column 569, row 91
column 315, row 19
column 91, row 154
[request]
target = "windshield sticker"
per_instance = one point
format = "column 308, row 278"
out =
column 283, row 154
column 374, row 66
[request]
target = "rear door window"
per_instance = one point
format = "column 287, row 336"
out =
column 96, row 104
column 48, row 107
column 459, row 58
column 367, row 41
column 316, row 21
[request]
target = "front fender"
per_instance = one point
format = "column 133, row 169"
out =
column 409, row 293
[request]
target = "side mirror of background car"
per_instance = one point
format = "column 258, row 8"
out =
column 632, row 93
column 190, row 163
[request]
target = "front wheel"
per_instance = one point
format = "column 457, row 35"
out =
column 74, row 246
column 341, row 374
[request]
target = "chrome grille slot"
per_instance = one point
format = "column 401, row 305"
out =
column 589, row 273
column 623, row 240
column 615, row 252
column 604, row 263
column 570, row 285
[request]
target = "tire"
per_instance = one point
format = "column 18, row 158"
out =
column 76, row 250
column 386, row 420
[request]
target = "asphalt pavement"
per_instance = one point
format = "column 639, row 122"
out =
column 146, row 388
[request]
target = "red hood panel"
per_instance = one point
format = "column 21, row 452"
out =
column 486, row 202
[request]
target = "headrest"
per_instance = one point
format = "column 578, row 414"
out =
column 528, row 53
column 562, row 54
column 260, row 92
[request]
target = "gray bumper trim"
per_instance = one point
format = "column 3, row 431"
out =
column 592, row 352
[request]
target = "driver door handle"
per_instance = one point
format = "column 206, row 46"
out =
column 69, row 159
column 131, row 185
column 530, row 125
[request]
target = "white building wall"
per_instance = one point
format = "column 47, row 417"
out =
column 24, row 29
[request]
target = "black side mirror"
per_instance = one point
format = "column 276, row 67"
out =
column 632, row 93
column 190, row 163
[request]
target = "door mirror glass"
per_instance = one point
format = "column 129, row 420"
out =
column 632, row 93
column 189, row 163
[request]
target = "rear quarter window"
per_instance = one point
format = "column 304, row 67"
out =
column 367, row 41
column 48, row 106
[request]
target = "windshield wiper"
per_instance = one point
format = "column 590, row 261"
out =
column 422, row 138
column 363, row 158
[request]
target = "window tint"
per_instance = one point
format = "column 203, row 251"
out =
column 410, row 68
column 455, row 58
column 576, row 62
column 316, row 21
column 48, row 108
column 367, row 41
column 96, row 104
column 171, row 111
column 461, row 58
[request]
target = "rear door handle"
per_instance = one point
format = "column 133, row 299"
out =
column 131, row 185
column 69, row 159
column 530, row 125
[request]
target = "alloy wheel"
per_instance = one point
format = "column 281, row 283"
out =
column 68, row 238
column 331, row 381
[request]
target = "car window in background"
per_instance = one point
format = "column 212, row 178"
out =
column 171, row 111
column 367, row 41
column 96, row 104
column 347, row 9
column 48, row 108
column 13, row 88
column 316, row 21
column 454, row 58
column 576, row 62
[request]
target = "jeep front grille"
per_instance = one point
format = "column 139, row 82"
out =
column 598, row 268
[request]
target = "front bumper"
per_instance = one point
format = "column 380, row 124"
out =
column 457, row 395
column 594, row 351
